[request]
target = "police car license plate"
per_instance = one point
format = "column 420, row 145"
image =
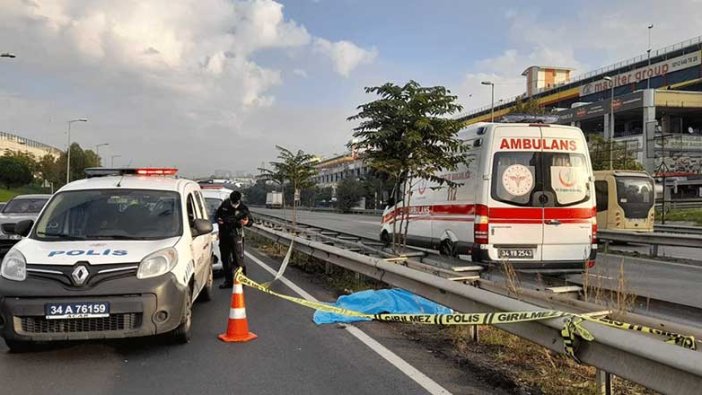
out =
column 58, row 311
column 525, row 253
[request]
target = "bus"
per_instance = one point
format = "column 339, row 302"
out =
column 625, row 200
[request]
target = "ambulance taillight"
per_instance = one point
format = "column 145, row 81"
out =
column 592, row 260
column 594, row 226
column 481, row 225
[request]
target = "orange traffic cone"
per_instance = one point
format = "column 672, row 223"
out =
column 237, row 326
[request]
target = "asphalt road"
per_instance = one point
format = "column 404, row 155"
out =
column 656, row 279
column 291, row 356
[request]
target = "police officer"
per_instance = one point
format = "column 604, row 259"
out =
column 232, row 217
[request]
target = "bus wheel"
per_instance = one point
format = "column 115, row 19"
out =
column 447, row 248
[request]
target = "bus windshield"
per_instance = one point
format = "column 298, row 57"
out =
column 635, row 196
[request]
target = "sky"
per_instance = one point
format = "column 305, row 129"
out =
column 216, row 84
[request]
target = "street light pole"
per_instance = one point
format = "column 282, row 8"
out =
column 611, row 118
column 492, row 99
column 68, row 150
column 97, row 151
column 112, row 160
column 648, row 81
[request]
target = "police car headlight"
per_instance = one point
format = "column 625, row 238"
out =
column 14, row 266
column 158, row 263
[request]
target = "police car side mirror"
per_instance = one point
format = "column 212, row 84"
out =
column 22, row 228
column 202, row 226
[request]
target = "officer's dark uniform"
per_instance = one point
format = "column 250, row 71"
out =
column 231, row 235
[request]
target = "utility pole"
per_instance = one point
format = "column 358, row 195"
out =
column 611, row 118
column 492, row 99
column 648, row 81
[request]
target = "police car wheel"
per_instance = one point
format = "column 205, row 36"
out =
column 19, row 346
column 183, row 332
column 206, row 293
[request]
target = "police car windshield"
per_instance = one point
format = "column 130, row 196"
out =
column 117, row 214
column 24, row 206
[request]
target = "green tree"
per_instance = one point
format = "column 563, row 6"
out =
column 256, row 194
column 48, row 170
column 296, row 169
column 348, row 192
column 308, row 196
column 80, row 160
column 324, row 196
column 14, row 172
column 25, row 158
column 378, row 188
column 408, row 134
column 622, row 156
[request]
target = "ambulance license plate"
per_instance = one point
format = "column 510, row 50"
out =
column 59, row 311
column 525, row 253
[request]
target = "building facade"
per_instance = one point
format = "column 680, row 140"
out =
column 13, row 143
column 331, row 171
column 652, row 103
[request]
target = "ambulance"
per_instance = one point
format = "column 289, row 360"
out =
column 123, row 253
column 525, row 197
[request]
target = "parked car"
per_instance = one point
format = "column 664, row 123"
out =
column 18, row 209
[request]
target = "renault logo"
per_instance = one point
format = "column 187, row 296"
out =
column 80, row 274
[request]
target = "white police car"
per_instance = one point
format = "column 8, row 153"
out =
column 123, row 253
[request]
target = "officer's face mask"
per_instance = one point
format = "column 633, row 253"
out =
column 235, row 204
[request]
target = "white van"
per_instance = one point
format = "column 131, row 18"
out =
column 214, row 196
column 123, row 253
column 525, row 197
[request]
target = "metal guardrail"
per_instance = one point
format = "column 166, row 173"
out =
column 375, row 212
column 654, row 239
column 630, row 355
column 683, row 229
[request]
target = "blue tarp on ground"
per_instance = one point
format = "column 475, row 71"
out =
column 395, row 301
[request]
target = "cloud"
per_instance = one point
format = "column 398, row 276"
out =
column 345, row 55
column 505, row 72
column 163, row 82
column 300, row 72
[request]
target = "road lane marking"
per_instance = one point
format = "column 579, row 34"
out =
column 410, row 371
column 369, row 222
column 600, row 276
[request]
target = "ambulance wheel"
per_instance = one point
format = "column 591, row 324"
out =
column 19, row 346
column 207, row 293
column 447, row 248
column 385, row 238
column 183, row 332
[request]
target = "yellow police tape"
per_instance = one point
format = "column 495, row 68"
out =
column 572, row 331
